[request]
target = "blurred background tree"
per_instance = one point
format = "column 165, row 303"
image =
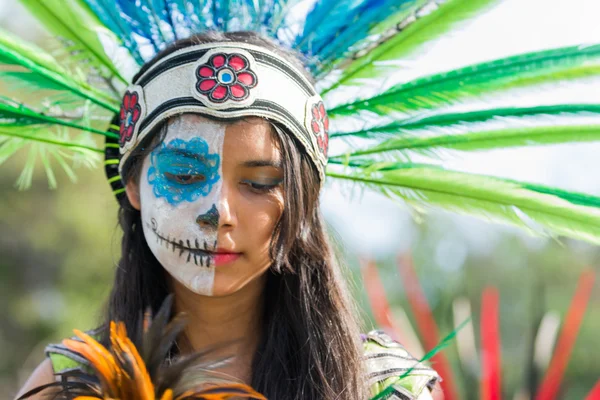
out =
column 59, row 247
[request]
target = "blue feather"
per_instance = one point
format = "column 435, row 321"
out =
column 273, row 15
column 254, row 18
column 109, row 15
column 199, row 14
column 159, row 10
column 339, row 20
column 147, row 26
column 182, row 16
column 264, row 15
column 240, row 15
column 287, row 22
column 259, row 14
column 167, row 13
column 347, row 22
column 220, row 12
column 145, row 18
column 319, row 17
column 354, row 33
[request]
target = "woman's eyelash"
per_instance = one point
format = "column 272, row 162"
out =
column 261, row 187
column 185, row 179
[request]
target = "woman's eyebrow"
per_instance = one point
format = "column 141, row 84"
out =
column 262, row 163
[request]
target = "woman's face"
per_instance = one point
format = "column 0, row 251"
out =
column 210, row 196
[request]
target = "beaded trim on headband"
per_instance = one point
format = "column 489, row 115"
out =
column 225, row 80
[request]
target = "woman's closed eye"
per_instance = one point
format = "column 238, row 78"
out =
column 185, row 179
column 261, row 187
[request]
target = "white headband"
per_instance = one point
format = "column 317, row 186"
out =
column 225, row 80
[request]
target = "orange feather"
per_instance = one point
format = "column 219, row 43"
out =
column 167, row 395
column 142, row 382
column 223, row 392
column 115, row 331
column 100, row 359
column 123, row 374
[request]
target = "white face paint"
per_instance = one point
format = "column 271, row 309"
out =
column 180, row 187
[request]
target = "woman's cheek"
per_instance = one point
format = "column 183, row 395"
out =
column 271, row 213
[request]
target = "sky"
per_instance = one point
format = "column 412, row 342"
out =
column 372, row 225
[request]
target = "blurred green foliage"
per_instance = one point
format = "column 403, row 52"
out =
column 59, row 248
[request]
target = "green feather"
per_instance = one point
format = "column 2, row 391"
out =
column 490, row 198
column 378, row 33
column 74, row 21
column 21, row 115
column 553, row 75
column 402, row 17
column 426, row 28
column 26, row 176
column 46, row 145
column 43, row 67
column 484, row 139
column 514, row 72
column 35, row 87
column 32, row 137
column 572, row 197
column 27, row 81
column 9, row 147
column 428, row 121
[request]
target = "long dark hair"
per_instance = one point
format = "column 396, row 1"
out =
column 310, row 345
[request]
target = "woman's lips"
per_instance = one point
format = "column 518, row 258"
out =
column 225, row 257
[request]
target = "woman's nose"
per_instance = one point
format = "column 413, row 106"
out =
column 210, row 219
column 226, row 203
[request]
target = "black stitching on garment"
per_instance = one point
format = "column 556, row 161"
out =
column 395, row 371
column 381, row 355
column 399, row 394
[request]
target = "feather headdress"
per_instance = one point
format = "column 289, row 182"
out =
column 134, row 367
column 359, row 43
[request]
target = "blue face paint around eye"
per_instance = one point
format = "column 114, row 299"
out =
column 183, row 170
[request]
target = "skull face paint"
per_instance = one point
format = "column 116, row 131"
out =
column 180, row 186
column 183, row 170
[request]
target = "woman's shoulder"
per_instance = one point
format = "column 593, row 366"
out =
column 387, row 361
column 59, row 360
column 42, row 375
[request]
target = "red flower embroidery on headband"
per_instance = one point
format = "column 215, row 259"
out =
column 320, row 126
column 130, row 114
column 225, row 77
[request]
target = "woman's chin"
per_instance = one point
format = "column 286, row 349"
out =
column 229, row 281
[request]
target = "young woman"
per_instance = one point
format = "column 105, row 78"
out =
column 223, row 142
